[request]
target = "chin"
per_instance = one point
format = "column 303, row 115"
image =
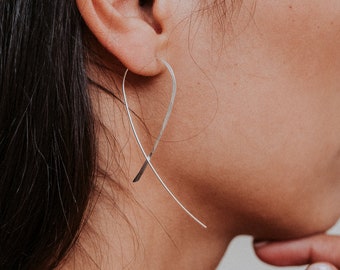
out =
column 291, row 229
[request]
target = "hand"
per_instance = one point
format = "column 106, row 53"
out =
column 311, row 250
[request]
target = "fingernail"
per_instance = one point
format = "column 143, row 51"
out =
column 260, row 243
column 320, row 266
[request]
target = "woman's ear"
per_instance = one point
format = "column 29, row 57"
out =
column 129, row 29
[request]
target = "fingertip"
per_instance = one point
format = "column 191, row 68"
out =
column 321, row 266
column 280, row 253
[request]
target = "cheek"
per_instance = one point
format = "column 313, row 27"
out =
column 303, row 35
column 280, row 127
column 261, row 132
column 272, row 150
column 282, row 151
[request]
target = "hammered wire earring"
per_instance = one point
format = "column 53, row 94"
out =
column 165, row 122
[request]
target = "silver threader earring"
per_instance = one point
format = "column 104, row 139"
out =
column 165, row 122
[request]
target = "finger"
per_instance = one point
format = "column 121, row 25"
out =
column 321, row 266
column 320, row 248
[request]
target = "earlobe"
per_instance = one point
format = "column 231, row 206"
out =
column 126, row 33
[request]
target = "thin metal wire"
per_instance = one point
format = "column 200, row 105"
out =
column 165, row 121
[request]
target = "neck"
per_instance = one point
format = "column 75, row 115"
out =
column 147, row 232
column 138, row 225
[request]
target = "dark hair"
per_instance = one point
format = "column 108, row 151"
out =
column 47, row 143
column 47, row 138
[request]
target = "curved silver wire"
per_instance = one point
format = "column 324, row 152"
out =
column 165, row 121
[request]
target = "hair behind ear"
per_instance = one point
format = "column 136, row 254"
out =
column 46, row 132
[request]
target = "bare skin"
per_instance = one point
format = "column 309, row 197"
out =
column 255, row 128
column 320, row 251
